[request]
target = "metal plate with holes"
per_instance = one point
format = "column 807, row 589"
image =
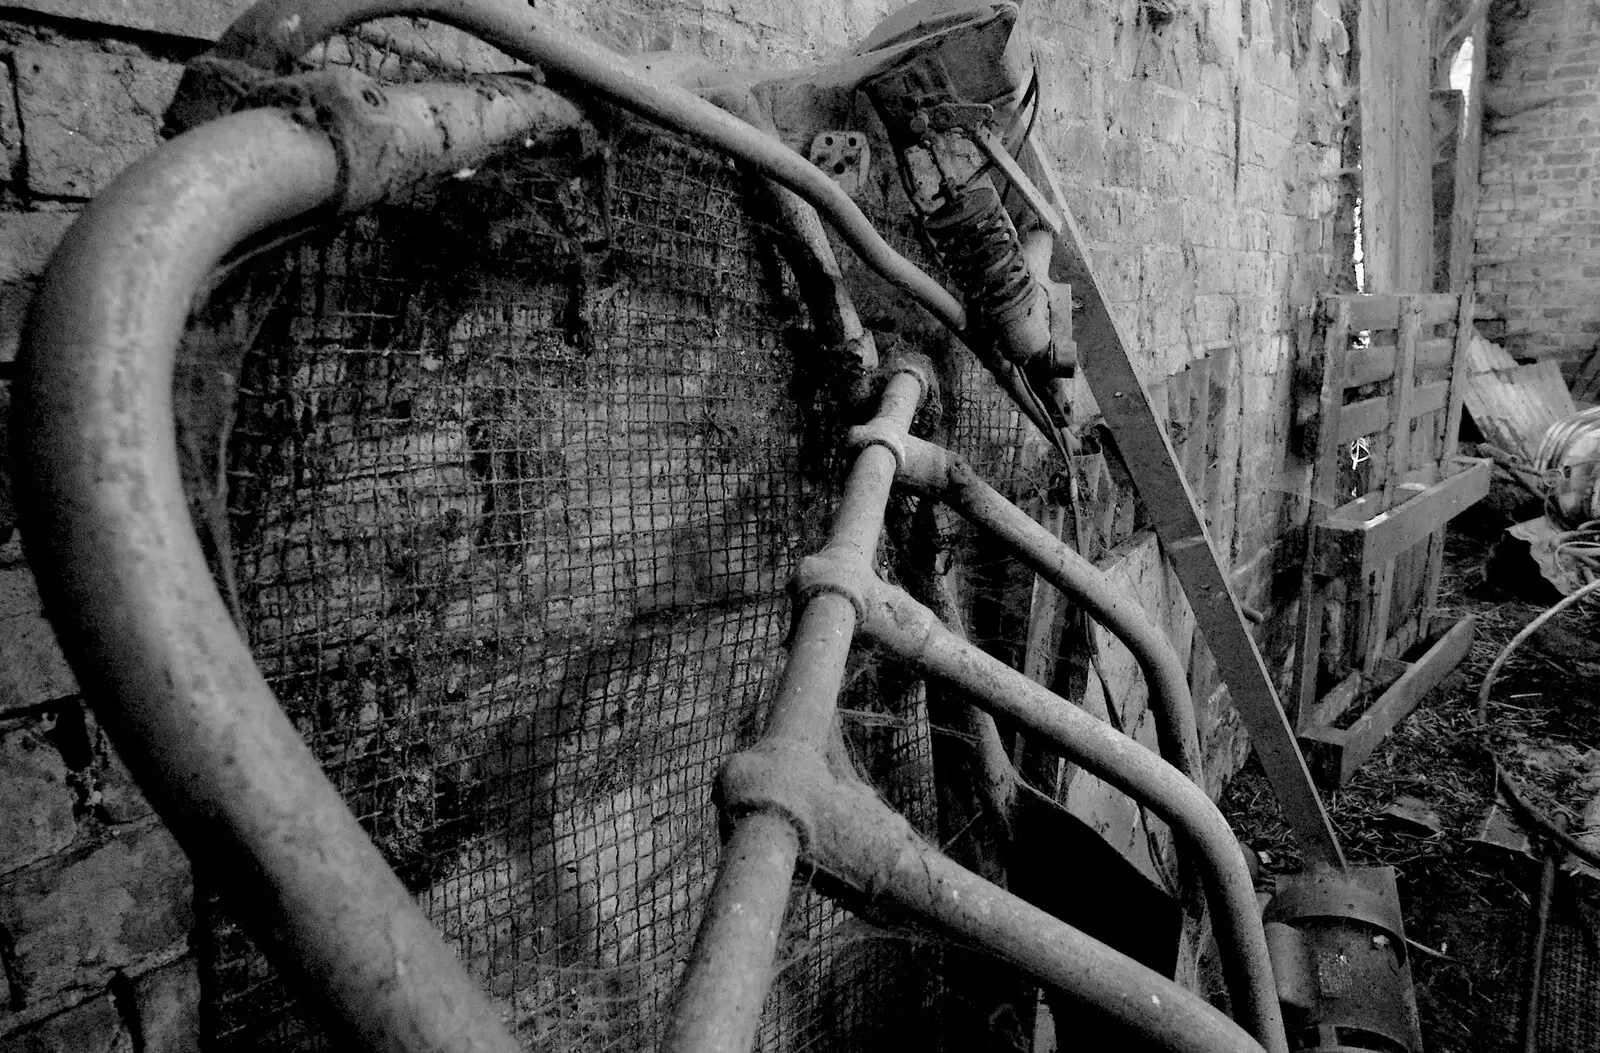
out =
column 844, row 156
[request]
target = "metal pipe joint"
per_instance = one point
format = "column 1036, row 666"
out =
column 389, row 138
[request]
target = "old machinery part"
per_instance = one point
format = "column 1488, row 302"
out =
column 939, row 473
column 910, row 630
column 844, row 156
column 1568, row 461
column 269, row 37
column 1339, row 953
column 123, row 575
column 859, row 842
column 720, row 997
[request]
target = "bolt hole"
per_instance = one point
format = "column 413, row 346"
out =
column 851, row 141
column 828, row 140
column 838, row 168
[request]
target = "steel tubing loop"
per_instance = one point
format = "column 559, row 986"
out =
column 917, row 636
column 125, row 582
column 718, row 1004
column 939, row 473
column 272, row 34
column 863, row 842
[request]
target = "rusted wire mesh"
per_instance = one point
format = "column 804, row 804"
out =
column 517, row 477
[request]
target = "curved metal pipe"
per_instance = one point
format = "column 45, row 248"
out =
column 717, row 1007
column 127, row 587
column 912, row 632
column 272, row 34
column 875, row 848
column 936, row 471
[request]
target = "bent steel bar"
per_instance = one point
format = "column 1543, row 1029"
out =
column 272, row 34
column 860, row 841
column 718, row 1003
column 937, row 472
column 127, row 587
column 913, row 632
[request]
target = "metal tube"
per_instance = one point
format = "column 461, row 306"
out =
column 877, row 847
column 718, row 1003
column 272, row 34
column 1058, row 564
column 148, row 635
column 911, row 631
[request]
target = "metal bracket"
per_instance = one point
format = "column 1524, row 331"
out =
column 780, row 776
column 831, row 571
column 845, row 156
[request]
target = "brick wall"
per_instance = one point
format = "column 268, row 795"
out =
column 1200, row 144
column 1538, row 234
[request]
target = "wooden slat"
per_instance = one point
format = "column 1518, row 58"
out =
column 1103, row 354
column 1372, row 364
column 1384, row 535
column 1391, row 458
column 1383, row 311
column 1324, row 483
column 1338, row 755
column 1370, row 415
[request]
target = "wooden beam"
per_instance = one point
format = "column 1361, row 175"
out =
column 1337, row 755
column 1372, row 364
column 1383, row 311
column 1380, row 536
column 1176, row 517
column 1371, row 415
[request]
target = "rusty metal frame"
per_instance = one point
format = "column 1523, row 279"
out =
column 124, row 580
column 150, row 638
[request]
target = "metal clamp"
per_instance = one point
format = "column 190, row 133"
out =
column 390, row 137
column 879, row 432
column 779, row 776
column 831, row 571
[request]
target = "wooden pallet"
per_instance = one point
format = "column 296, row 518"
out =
column 1385, row 546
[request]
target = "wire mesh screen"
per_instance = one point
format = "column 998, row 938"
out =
column 517, row 478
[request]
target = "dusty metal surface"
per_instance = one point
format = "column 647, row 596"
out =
column 149, row 636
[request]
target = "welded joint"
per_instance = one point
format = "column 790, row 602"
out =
column 846, row 831
column 916, row 364
column 778, row 776
column 833, row 571
column 880, row 432
column 925, row 468
column 389, row 138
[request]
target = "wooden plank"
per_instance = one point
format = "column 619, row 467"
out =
column 1384, row 535
column 1338, row 755
column 1514, row 407
column 1382, row 310
column 1125, row 405
column 1374, row 364
column 1335, row 338
column 1369, row 415
column 1392, row 456
column 1451, row 425
column 1333, row 705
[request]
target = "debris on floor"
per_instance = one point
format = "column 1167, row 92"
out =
column 1426, row 803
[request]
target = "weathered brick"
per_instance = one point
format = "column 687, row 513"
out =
column 87, row 115
column 93, row 1026
column 198, row 19
column 10, row 130
column 27, row 240
column 28, row 653
column 37, row 819
column 166, row 1004
column 124, row 903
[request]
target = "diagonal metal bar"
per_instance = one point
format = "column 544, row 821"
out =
column 1125, row 404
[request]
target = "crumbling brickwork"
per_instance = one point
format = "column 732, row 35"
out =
column 1200, row 143
column 1538, row 232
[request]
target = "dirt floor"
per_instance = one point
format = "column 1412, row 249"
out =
column 1467, row 904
